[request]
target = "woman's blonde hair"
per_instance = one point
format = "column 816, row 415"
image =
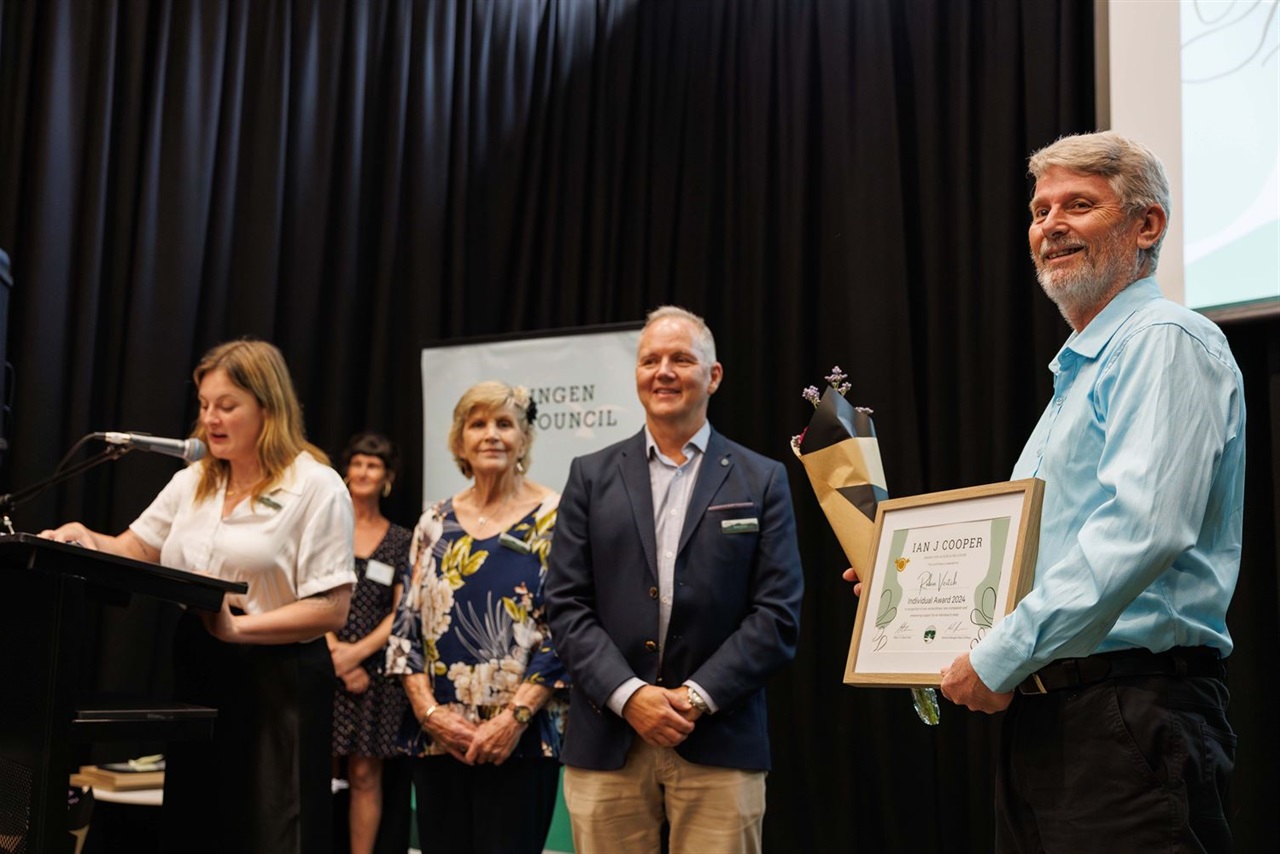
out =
column 258, row 368
column 491, row 396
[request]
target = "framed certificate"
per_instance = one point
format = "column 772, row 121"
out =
column 948, row 566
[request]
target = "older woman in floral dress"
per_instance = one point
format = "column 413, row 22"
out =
column 471, row 643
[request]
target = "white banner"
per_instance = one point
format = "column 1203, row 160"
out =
column 583, row 384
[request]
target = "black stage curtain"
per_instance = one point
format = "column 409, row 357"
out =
column 827, row 182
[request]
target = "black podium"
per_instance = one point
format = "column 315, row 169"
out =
column 45, row 712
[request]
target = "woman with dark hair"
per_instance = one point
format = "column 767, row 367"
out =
column 470, row 638
column 265, row 508
column 367, row 706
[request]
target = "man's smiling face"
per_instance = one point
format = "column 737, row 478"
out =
column 1083, row 242
column 674, row 379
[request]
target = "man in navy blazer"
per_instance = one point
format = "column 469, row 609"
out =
column 673, row 590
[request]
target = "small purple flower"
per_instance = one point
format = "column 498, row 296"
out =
column 796, row 440
column 811, row 394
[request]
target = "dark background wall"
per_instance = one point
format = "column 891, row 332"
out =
column 827, row 182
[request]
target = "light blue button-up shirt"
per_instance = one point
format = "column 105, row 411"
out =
column 1142, row 455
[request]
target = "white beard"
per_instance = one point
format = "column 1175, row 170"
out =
column 1103, row 270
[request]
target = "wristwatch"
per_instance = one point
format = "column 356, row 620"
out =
column 695, row 700
column 522, row 714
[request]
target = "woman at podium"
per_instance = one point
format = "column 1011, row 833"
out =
column 265, row 508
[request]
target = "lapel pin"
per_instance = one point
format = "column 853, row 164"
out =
column 724, row 461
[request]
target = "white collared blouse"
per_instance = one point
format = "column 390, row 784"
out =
column 293, row 542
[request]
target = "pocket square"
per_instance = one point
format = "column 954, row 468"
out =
column 733, row 505
column 739, row 526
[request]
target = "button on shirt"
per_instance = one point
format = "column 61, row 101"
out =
column 1142, row 455
column 672, row 484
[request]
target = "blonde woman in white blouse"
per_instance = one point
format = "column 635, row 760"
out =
column 265, row 508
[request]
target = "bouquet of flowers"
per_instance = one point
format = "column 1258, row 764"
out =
column 841, row 455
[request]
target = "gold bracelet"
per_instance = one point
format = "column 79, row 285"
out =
column 426, row 717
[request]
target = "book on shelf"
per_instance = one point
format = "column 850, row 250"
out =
column 117, row 781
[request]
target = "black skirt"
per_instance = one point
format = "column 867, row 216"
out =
column 262, row 783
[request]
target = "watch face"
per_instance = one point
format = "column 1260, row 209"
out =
column 523, row 714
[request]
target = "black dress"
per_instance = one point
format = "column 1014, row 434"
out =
column 365, row 724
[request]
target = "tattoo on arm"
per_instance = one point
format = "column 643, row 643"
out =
column 325, row 600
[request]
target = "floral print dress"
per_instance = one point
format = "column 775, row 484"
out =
column 473, row 619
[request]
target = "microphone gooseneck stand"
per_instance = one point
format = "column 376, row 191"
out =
column 63, row 472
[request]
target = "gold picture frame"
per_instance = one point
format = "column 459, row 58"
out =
column 946, row 567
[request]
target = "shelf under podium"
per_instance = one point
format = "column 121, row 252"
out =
column 124, row 719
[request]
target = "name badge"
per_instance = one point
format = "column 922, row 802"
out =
column 382, row 573
column 516, row 544
column 739, row 526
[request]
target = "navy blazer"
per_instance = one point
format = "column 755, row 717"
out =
column 735, row 614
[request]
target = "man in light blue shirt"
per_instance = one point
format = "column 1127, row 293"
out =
column 1111, row 666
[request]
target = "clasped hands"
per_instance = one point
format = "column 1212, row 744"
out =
column 960, row 682
column 661, row 716
column 488, row 742
column 346, row 664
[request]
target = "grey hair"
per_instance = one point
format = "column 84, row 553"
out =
column 1133, row 170
column 702, row 337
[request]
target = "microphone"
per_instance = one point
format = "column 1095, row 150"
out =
column 189, row 450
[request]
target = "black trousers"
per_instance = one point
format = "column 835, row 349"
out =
column 1133, row 764
column 485, row 809
column 261, row 784
column 397, row 784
